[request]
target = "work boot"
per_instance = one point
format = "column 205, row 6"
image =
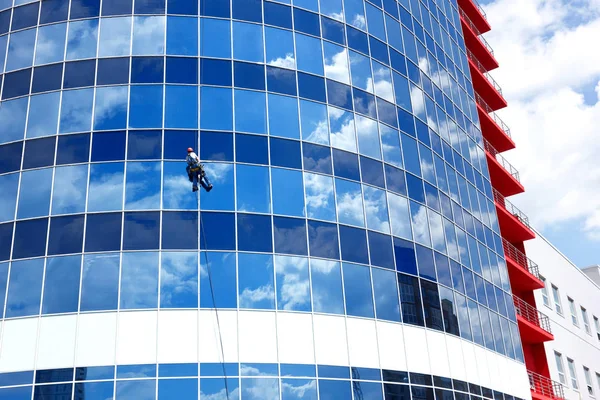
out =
column 209, row 188
column 195, row 189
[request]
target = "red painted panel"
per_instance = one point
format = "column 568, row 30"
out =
column 502, row 180
column 475, row 14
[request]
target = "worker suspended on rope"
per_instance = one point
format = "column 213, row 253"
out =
column 196, row 172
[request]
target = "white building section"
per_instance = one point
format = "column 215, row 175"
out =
column 572, row 302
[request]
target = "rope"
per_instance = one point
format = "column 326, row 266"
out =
column 212, row 293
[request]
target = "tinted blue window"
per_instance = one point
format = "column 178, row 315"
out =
column 5, row 21
column 141, row 389
column 103, row 232
column 141, row 231
column 323, row 239
column 406, row 122
column 443, row 269
column 139, row 280
column 405, row 256
column 387, row 112
column 6, row 235
column 25, row 288
column 345, row 165
column 395, row 179
column 334, row 390
column 177, row 389
column 116, row 7
column 333, row 30
column 100, row 282
column 144, row 145
column 30, row 238
column 177, row 141
column 108, row 146
column 372, row 171
column 331, row 371
column 431, row 305
column 8, row 197
column 379, row 50
column 218, row 72
column 285, row 153
column 255, row 272
column 180, row 230
column 182, row 70
column 311, row 87
column 6, row 380
column 364, row 103
column 182, row 7
column 316, row 158
column 179, row 280
column 251, row 149
column 278, row 15
column 386, row 296
column 254, row 233
column 216, row 108
column 246, row 75
column 306, row 22
column 38, row 153
column 415, row 188
column 339, row 94
column 10, row 157
column 281, row 80
column 16, row 84
column 147, row 70
column 214, row 8
column 66, row 235
column 146, row 106
column 410, row 299
column 25, row 17
column 217, row 146
column 222, row 278
column 95, row 390
column 357, row 40
column 290, row 235
column 357, row 287
column 47, row 78
column 79, row 74
column 354, row 244
column 219, row 231
column 247, row 10
column 112, row 71
column 17, row 393
column 381, row 250
column 84, row 8
column 149, row 7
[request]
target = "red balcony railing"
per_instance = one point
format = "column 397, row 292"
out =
column 517, row 255
column 545, row 387
column 531, row 314
column 492, row 114
column 501, row 160
column 485, row 73
column 501, row 200
column 476, row 31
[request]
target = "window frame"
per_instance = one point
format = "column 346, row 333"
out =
column 573, row 374
column 557, row 302
column 573, row 311
column 597, row 324
column 586, row 320
column 560, row 367
column 545, row 294
column 588, row 381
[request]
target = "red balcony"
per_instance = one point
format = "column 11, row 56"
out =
column 492, row 127
column 477, row 44
column 543, row 388
column 533, row 325
column 524, row 274
column 504, row 176
column 514, row 225
column 484, row 84
column 476, row 14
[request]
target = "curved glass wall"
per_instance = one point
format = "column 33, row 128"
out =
column 341, row 137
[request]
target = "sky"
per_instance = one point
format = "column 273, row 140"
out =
column 550, row 75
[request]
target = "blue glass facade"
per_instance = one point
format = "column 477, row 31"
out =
column 341, row 137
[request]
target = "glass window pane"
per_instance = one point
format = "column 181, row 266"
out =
column 288, row 193
column 256, row 286
column 247, row 42
column 309, row 54
column 360, row 67
column 357, row 287
column 326, row 279
column 376, row 209
column 83, row 39
column 13, row 115
column 179, row 280
column 50, row 44
column 283, row 116
column 216, row 38
column 8, row 197
column 390, row 141
column 386, row 294
column 76, row 110
column 34, row 196
column 342, row 129
column 375, row 22
column 70, row 187
column 146, row 106
column 148, row 35
column 115, row 37
column 24, row 288
column 43, row 115
column 313, row 119
column 20, row 50
column 382, row 81
column 182, row 27
column 176, row 188
column 61, row 285
column 106, row 187
column 222, row 278
column 349, row 202
column 280, row 48
column 250, row 119
column 336, row 62
column 260, row 389
column 185, row 389
column 333, row 9
column 355, row 13
column 253, row 188
column 181, row 107
column 334, row 390
column 293, row 288
column 368, row 137
column 216, row 108
column 139, row 280
column 100, row 285
column 139, row 390
column 111, row 108
column 296, row 389
column 220, row 175
column 319, row 196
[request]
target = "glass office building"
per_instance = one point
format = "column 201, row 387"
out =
column 350, row 243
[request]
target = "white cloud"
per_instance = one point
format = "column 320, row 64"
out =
column 545, row 48
column 336, row 65
column 284, row 62
column 251, row 297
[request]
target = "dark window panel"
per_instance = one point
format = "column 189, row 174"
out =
column 380, row 247
column 339, row 94
column 216, row 72
column 176, row 143
column 278, row 14
column 54, row 375
column 66, row 235
column 422, row 393
column 49, row 391
column 290, row 235
column 84, row 8
column 406, row 122
column 285, row 153
column 415, row 188
column 364, row 103
column 431, row 305
column 414, row 73
column 247, row 10
column 323, row 240
column 147, row 70
column 410, row 298
column 333, row 30
column 16, row 84
column 217, row 230
column 6, row 235
column 280, row 80
column 117, row 7
column 250, row 76
column 182, row 7
column 406, row 260
column 357, row 40
column 100, row 282
column 395, row 179
column 108, row 146
column 254, row 233
column 420, row 379
column 317, row 158
column 395, row 376
column 54, row 11
column 398, row 61
column 5, row 21
column 354, row 244
column 144, row 145
column 215, row 8
column 113, row 71
column 61, row 286
column 372, row 172
column 180, row 230
column 182, row 70
column 141, row 231
column 442, row 265
column 379, row 50
column 39, row 152
column 311, row 87
column 306, row 22
column 30, row 238
column 79, row 74
column 103, row 232
column 432, row 197
column 425, row 262
column 25, row 16
column 216, row 146
column 391, row 7
column 345, row 165
column 387, row 112
column 47, row 78
column 10, row 157
column 149, row 7
column 251, row 149
column 73, row 149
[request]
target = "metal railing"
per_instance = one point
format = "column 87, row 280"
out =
column 520, row 258
column 485, row 73
column 477, row 33
column 479, row 8
column 492, row 114
column 501, row 200
column 545, row 386
column 501, row 160
column 531, row 314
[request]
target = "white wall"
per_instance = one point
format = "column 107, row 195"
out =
column 569, row 340
column 171, row 336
